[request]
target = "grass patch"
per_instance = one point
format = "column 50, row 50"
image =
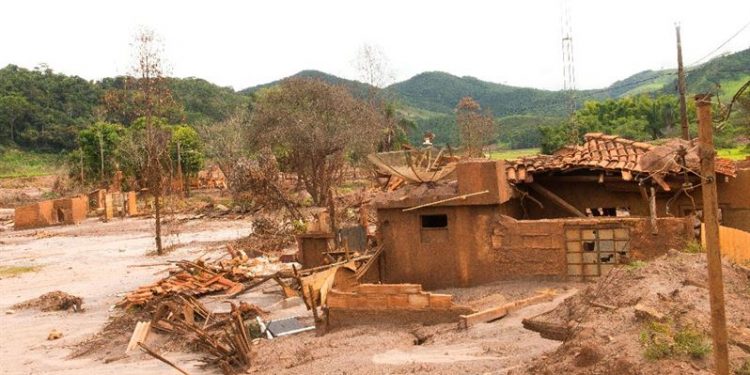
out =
column 736, row 153
column 636, row 265
column 14, row 271
column 744, row 369
column 663, row 340
column 16, row 163
column 693, row 247
column 513, row 154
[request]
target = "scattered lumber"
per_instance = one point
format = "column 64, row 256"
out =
column 498, row 312
column 140, row 333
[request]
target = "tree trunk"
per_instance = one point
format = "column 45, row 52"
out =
column 157, row 224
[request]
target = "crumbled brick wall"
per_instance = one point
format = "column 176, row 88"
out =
column 391, row 303
column 35, row 215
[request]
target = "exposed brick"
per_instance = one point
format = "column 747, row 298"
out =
column 419, row 301
column 398, row 301
column 441, row 301
column 389, row 288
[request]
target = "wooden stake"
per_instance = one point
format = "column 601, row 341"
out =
column 711, row 220
column 652, row 210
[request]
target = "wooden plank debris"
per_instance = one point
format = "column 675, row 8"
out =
column 503, row 310
column 140, row 333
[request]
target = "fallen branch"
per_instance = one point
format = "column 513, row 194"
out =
column 157, row 356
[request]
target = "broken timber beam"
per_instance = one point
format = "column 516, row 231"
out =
column 467, row 321
column 555, row 199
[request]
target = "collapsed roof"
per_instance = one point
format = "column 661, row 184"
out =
column 615, row 154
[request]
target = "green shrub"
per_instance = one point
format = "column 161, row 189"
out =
column 661, row 340
column 691, row 342
column 694, row 247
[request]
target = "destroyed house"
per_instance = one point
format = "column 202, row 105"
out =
column 572, row 215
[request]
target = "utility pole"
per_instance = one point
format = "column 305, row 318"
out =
column 711, row 225
column 681, row 87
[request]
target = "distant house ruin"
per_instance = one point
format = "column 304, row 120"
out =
column 51, row 212
column 575, row 214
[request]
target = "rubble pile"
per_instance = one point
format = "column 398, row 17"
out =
column 645, row 318
column 52, row 301
column 198, row 278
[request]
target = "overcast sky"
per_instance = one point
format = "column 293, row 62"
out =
column 243, row 43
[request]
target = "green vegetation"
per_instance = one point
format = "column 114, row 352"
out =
column 735, row 153
column 43, row 111
column 663, row 340
column 17, row 163
column 693, row 247
column 13, row 271
column 636, row 265
column 513, row 154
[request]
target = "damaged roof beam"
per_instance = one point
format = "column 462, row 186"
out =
column 556, row 199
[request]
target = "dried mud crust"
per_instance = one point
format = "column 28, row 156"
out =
column 52, row 301
column 603, row 335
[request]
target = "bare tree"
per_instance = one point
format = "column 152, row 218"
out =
column 476, row 128
column 373, row 66
column 227, row 141
column 315, row 126
column 153, row 98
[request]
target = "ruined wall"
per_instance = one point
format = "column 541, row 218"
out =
column 35, row 215
column 391, row 303
column 434, row 257
column 526, row 249
column 734, row 199
column 311, row 248
column 51, row 212
column 480, row 245
column 71, row 210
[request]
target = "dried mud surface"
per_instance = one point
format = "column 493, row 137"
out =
column 608, row 340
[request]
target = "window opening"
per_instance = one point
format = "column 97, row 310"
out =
column 434, row 221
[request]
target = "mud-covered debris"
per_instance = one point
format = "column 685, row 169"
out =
column 54, row 335
column 53, row 301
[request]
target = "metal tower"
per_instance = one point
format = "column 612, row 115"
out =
column 569, row 74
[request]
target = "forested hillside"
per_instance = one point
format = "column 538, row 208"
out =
column 43, row 110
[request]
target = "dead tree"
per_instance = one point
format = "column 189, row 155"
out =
column 153, row 97
column 476, row 128
column 316, row 126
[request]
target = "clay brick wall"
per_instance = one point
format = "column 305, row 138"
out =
column 71, row 210
column 481, row 244
column 527, row 249
column 391, row 303
column 35, row 215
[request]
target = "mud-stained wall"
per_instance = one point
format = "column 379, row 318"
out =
column 480, row 244
column 51, row 212
column 526, row 249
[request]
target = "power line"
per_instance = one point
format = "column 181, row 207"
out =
column 722, row 44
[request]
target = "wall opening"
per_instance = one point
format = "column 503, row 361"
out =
column 594, row 251
column 434, row 221
column 608, row 211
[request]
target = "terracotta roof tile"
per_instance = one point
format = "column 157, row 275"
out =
column 607, row 152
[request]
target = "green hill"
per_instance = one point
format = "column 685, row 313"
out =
column 358, row 88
